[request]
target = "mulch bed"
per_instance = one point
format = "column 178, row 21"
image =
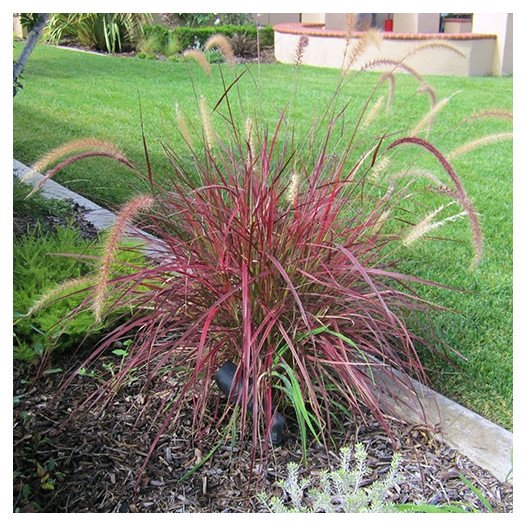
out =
column 91, row 464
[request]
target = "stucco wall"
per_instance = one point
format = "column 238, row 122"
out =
column 329, row 52
column 500, row 24
column 416, row 22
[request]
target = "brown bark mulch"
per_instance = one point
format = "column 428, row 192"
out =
column 91, row 464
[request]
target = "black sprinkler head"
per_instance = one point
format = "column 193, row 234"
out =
column 225, row 377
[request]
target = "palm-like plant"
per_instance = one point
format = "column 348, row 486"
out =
column 112, row 32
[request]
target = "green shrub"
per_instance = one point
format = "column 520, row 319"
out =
column 173, row 46
column 42, row 263
column 214, row 56
column 37, row 268
column 188, row 37
column 150, row 46
column 157, row 31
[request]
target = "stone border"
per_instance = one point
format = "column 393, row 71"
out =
column 485, row 443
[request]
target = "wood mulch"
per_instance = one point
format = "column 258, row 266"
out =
column 91, row 464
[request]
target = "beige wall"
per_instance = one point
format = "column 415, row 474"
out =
column 457, row 27
column 278, row 18
column 416, row 22
column 329, row 52
column 500, row 24
column 313, row 18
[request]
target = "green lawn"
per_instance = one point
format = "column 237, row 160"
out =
column 70, row 95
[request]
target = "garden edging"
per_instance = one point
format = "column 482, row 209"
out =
column 485, row 443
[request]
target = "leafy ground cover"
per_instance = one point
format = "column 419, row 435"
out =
column 99, row 97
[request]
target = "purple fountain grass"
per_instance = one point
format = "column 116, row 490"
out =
column 274, row 257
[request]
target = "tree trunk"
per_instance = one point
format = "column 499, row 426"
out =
column 32, row 39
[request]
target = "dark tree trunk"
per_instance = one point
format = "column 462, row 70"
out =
column 32, row 39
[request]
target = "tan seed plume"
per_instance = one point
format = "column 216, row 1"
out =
column 127, row 214
column 182, row 126
column 415, row 173
column 426, row 88
column 477, row 143
column 249, row 135
column 392, row 84
column 78, row 145
column 74, row 151
column 426, row 225
column 395, row 64
column 373, row 112
column 292, row 191
column 221, row 42
column 427, row 120
column 373, row 36
column 380, row 167
column 206, row 122
column 200, row 58
column 433, row 44
column 491, row 114
column 67, row 286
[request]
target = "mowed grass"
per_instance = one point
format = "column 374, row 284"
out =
column 69, row 95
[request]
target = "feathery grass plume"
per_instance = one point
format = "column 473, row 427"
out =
column 477, row 143
column 426, row 88
column 222, row 42
column 372, row 36
column 77, row 150
column 392, row 84
column 425, row 226
column 415, row 173
column 380, row 222
column 350, row 26
column 127, row 214
column 249, row 135
column 379, row 167
column 200, row 58
column 418, row 230
column 491, row 114
column 396, row 64
column 427, row 120
column 66, row 286
column 182, row 125
column 373, row 112
column 77, row 145
column 292, row 191
column 461, row 195
column 433, row 44
column 206, row 121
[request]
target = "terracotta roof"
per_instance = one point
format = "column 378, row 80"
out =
column 299, row 29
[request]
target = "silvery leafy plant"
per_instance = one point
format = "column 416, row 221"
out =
column 338, row 491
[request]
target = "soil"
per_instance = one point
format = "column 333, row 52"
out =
column 89, row 462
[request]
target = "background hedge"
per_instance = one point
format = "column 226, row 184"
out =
column 190, row 36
